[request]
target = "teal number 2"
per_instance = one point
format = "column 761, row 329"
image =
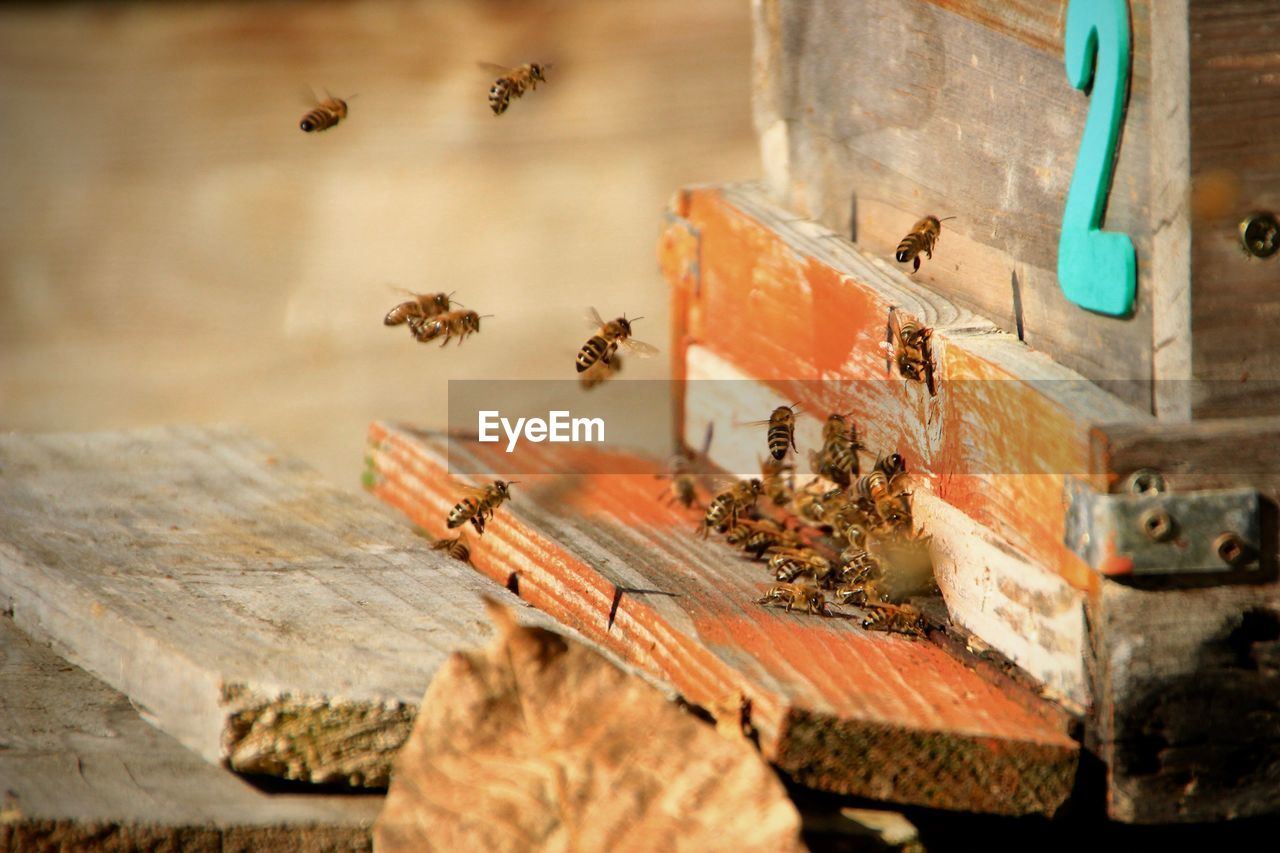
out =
column 1097, row 269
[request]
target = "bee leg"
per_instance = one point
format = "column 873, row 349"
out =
column 915, row 268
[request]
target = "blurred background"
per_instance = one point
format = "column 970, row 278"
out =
column 174, row 249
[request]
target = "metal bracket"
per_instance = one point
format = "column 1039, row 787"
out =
column 1156, row 532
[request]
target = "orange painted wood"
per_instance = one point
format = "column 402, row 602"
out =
column 836, row 707
column 786, row 302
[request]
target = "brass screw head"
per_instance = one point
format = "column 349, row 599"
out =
column 1260, row 234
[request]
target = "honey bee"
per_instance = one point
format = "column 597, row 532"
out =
column 684, row 483
column 599, row 372
column 458, row 548
column 451, row 324
column 895, row 618
column 778, row 480
column 892, row 502
column 480, row 504
column 908, row 346
column 722, row 512
column 512, row 82
column 787, row 564
column 782, row 430
column 815, row 506
column 422, row 307
column 603, row 344
column 924, row 234
column 796, row 594
column 838, row 461
column 326, row 113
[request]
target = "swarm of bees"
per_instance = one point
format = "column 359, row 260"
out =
column 846, row 540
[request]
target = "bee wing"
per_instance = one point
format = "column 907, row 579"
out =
column 640, row 348
column 593, row 319
column 308, row 96
column 500, row 70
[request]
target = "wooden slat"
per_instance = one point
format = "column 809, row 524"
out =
column 1235, row 143
column 81, row 768
column 1007, row 423
column 255, row 613
column 876, row 113
column 836, row 707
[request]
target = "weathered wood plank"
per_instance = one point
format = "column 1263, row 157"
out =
column 79, row 766
column 1235, row 138
column 257, row 614
column 876, row 113
column 835, row 707
column 1187, row 716
column 817, row 311
column 1030, row 615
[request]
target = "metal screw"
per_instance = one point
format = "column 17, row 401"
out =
column 1145, row 481
column 1260, row 234
column 1231, row 549
column 1157, row 524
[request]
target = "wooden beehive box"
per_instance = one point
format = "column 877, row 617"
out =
column 1085, row 525
column 875, row 113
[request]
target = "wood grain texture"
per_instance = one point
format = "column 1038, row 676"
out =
column 80, row 766
column 1030, row 615
column 836, row 707
column 1235, row 134
column 815, row 314
column 874, row 114
column 260, row 616
column 539, row 743
column 1188, row 710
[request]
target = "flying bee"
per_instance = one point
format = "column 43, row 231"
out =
column 722, row 512
column 603, row 344
column 512, row 82
column 423, row 306
column 795, row 595
column 907, row 345
column 924, row 234
column 326, row 113
column 895, row 618
column 480, row 504
column 778, row 479
column 838, row 461
column 458, row 548
column 451, row 324
column 599, row 372
column 782, row 430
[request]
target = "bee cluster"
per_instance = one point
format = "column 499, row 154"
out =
column 869, row 515
column 846, row 539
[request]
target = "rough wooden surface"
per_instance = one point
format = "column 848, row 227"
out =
column 874, row 114
column 817, row 311
column 1029, row 614
column 835, row 707
column 1188, row 710
column 1235, row 134
column 80, row 767
column 255, row 613
column 540, row 743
